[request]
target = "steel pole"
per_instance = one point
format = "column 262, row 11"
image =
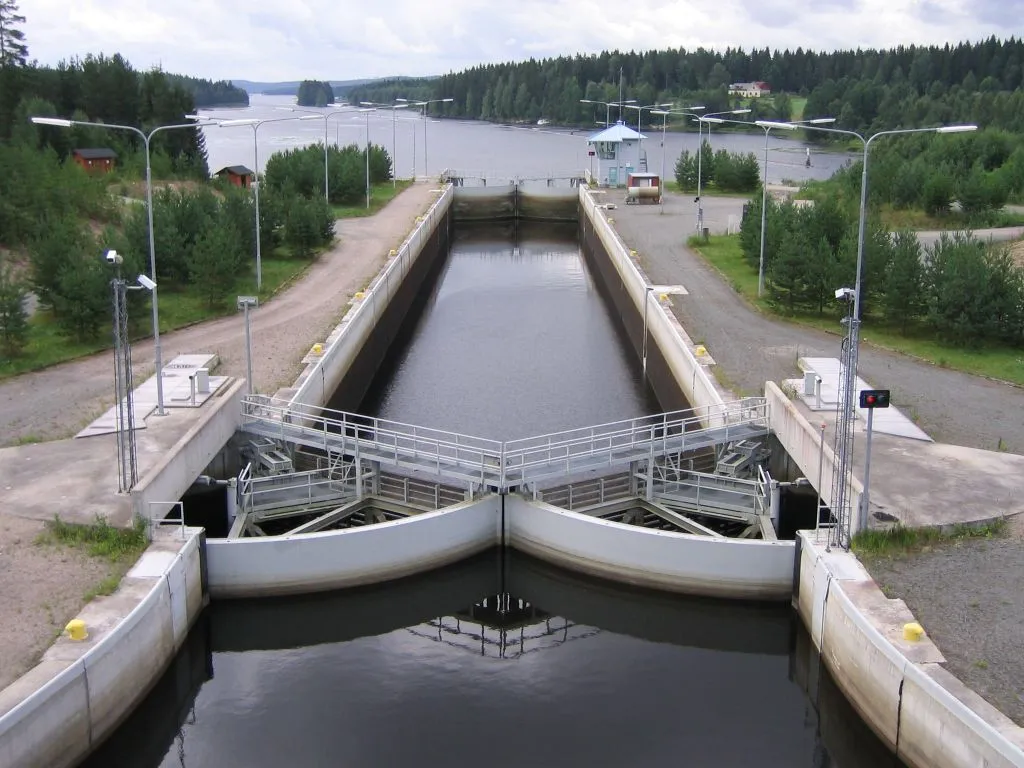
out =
column 248, row 351
column 256, row 187
column 367, row 160
column 426, row 165
column 700, row 156
column 764, row 200
column 647, row 293
column 661, row 196
column 157, row 352
column 865, row 499
column 394, row 147
column 327, row 190
column 821, row 461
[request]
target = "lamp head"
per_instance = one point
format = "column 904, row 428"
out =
column 956, row 129
column 146, row 283
column 57, row 121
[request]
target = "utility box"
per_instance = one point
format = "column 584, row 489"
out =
column 809, row 380
column 203, row 381
column 643, row 188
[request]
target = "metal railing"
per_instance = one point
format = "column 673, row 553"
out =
column 713, row 491
column 496, row 464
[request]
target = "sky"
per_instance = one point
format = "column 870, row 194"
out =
column 269, row 40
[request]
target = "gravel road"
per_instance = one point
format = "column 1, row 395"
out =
column 967, row 595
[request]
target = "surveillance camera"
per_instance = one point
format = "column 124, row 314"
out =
column 113, row 257
column 146, row 283
column 844, row 294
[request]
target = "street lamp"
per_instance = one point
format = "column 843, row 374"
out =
column 639, row 113
column 664, row 121
column 792, row 125
column 851, row 343
column 394, row 134
column 663, row 290
column 700, row 157
column 146, row 139
column 325, row 116
column 608, row 107
column 255, row 125
column 425, row 104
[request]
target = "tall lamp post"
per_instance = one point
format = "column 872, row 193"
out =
column 608, row 107
column 367, row 112
column 851, row 343
column 146, row 140
column 764, row 175
column 700, row 156
column 664, row 122
column 425, row 105
column 394, row 134
column 255, row 125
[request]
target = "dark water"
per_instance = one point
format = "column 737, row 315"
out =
column 419, row 672
column 513, row 340
column 499, row 660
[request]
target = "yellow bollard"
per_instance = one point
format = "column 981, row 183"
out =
column 318, row 349
column 913, row 631
column 700, row 350
column 392, row 252
column 358, row 295
column 76, row 630
column 663, row 297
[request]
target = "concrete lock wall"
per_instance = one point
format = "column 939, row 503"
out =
column 168, row 481
column 921, row 711
column 357, row 346
column 671, row 364
column 801, row 440
column 56, row 713
column 257, row 567
column 677, row 562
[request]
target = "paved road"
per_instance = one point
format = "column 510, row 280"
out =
column 751, row 348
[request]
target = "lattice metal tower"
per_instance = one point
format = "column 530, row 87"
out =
column 845, row 417
column 127, row 465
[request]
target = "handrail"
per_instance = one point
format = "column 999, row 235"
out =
column 492, row 460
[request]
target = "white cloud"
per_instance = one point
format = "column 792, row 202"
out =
column 269, row 40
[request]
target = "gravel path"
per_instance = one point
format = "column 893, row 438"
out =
column 967, row 595
column 43, row 586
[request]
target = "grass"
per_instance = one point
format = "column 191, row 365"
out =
column 178, row 308
column 381, row 194
column 896, row 219
column 901, row 541
column 100, row 539
column 705, row 191
column 798, row 103
column 1004, row 363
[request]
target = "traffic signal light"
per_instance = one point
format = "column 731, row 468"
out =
column 874, row 398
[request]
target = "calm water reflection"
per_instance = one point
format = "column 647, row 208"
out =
column 421, row 672
column 514, row 340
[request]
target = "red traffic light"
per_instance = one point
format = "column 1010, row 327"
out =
column 874, row 398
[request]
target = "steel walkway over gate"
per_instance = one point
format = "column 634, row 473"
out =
column 497, row 465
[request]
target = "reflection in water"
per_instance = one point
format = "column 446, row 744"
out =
column 514, row 339
column 417, row 673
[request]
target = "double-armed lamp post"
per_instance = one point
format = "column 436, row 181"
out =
column 700, row 155
column 664, row 122
column 608, row 107
column 426, row 119
column 845, row 416
column 146, row 140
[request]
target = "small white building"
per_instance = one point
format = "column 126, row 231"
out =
column 750, row 90
column 616, row 154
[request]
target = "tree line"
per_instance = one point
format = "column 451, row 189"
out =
column 300, row 172
column 209, row 93
column 864, row 89
column 722, row 170
column 314, row 93
column 961, row 290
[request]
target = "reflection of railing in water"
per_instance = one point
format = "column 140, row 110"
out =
column 502, row 626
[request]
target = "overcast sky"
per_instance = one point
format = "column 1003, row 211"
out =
column 271, row 40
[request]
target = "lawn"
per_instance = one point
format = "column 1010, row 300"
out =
column 380, row 195
column 1005, row 363
column 47, row 346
